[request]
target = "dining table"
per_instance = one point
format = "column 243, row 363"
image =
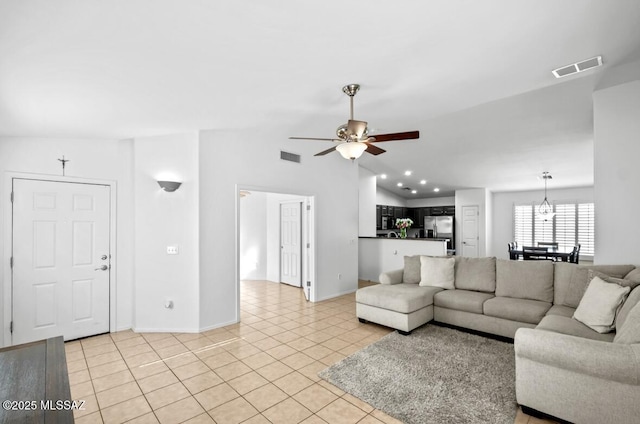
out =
column 552, row 252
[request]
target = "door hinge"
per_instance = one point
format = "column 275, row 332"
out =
column 308, row 283
column 12, row 197
column 308, row 207
column 11, row 262
column 11, row 327
column 308, row 245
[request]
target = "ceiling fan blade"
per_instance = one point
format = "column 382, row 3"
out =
column 374, row 150
column 313, row 138
column 396, row 136
column 324, row 152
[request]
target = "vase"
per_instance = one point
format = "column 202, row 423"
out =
column 403, row 233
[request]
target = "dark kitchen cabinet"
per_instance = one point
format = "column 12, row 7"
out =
column 437, row 210
column 378, row 217
column 450, row 210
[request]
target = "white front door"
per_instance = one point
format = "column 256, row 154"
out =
column 61, row 260
column 470, row 217
column 290, row 243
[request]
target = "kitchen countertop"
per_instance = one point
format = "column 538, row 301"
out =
column 408, row 238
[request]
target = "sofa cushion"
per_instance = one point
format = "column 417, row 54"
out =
column 572, row 327
column 462, row 300
column 562, row 273
column 521, row 310
column 600, row 304
column 404, row 298
column 437, row 272
column 478, row 274
column 630, row 331
column 411, row 273
column 580, row 280
column 561, row 310
column 525, row 279
column 632, row 300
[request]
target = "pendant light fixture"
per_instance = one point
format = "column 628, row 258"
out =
column 545, row 210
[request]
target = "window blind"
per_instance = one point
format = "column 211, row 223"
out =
column 573, row 224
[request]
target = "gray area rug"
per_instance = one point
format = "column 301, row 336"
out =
column 435, row 375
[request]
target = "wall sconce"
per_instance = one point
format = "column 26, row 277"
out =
column 169, row 186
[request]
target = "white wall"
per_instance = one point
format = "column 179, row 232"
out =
column 502, row 216
column 472, row 197
column 385, row 197
column 229, row 159
column 163, row 219
column 253, row 236
column 89, row 158
column 382, row 254
column 617, row 174
column 433, row 201
column 367, row 203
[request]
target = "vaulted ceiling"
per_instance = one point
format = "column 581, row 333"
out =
column 473, row 76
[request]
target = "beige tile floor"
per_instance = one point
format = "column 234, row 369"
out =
column 263, row 370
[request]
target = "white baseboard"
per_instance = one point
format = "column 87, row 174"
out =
column 331, row 296
column 165, row 330
column 214, row 326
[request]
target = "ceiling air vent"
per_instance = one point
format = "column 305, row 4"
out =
column 594, row 62
column 291, row 157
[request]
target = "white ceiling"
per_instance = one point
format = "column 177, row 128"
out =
column 473, row 76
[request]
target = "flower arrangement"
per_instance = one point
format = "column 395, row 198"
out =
column 403, row 224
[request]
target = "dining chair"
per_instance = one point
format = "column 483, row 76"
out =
column 574, row 256
column 533, row 253
column 511, row 246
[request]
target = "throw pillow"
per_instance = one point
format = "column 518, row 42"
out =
column 609, row 279
column 599, row 305
column 411, row 273
column 634, row 276
column 632, row 300
column 630, row 331
column 437, row 272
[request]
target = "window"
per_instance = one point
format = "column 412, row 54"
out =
column 573, row 224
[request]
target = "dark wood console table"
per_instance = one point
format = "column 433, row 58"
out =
column 36, row 375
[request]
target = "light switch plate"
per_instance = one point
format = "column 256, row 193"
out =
column 172, row 250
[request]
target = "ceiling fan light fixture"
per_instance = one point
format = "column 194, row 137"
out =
column 351, row 150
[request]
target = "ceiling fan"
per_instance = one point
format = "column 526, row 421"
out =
column 353, row 138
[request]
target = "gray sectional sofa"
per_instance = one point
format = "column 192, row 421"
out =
column 563, row 367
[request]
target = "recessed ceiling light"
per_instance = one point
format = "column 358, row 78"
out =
column 414, row 191
column 383, row 176
column 407, row 173
column 399, row 184
column 436, row 189
column 423, row 182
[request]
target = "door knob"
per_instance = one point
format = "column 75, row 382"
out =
column 102, row 268
column 104, row 257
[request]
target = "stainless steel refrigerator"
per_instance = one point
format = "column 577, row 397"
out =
column 440, row 227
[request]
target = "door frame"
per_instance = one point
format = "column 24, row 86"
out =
column 302, row 202
column 308, row 228
column 7, row 240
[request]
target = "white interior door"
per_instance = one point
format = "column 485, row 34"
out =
column 470, row 215
column 290, row 243
column 61, row 260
